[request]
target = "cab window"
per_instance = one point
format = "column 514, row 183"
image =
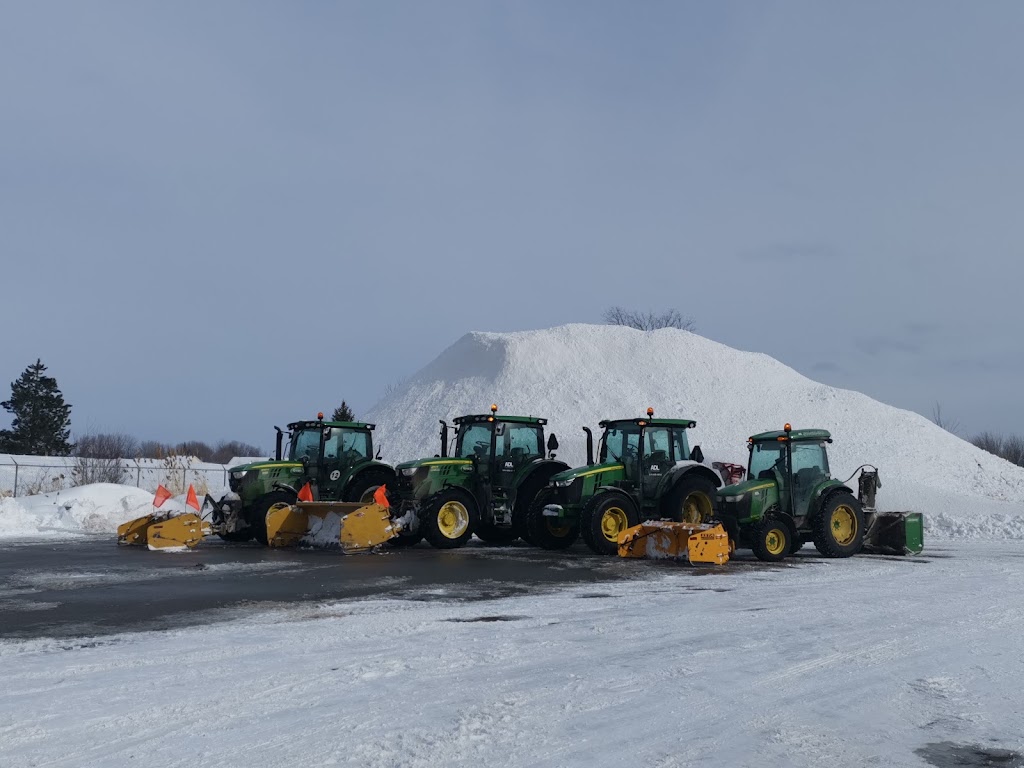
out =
column 680, row 449
column 306, row 444
column 519, row 442
column 475, row 440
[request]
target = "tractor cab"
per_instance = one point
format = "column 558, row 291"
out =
column 795, row 461
column 500, row 447
column 329, row 451
column 646, row 449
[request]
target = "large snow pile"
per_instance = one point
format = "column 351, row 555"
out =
column 576, row 375
column 97, row 508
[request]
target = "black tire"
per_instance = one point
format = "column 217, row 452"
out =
column 494, row 534
column 448, row 519
column 838, row 528
column 771, row 539
column 797, row 545
column 237, row 536
column 257, row 515
column 361, row 489
column 524, row 501
column 603, row 518
column 691, row 500
column 542, row 533
column 404, row 541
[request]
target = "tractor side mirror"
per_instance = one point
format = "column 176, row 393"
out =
column 697, row 455
column 552, row 445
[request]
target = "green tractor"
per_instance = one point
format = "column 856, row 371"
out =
column 485, row 487
column 789, row 498
column 645, row 470
column 335, row 457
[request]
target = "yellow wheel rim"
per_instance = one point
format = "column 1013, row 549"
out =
column 696, row 508
column 843, row 524
column 775, row 541
column 452, row 519
column 613, row 522
column 558, row 531
column 367, row 497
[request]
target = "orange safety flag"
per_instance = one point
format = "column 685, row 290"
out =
column 380, row 496
column 191, row 500
column 162, row 495
column 306, row 494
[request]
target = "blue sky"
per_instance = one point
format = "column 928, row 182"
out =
column 215, row 217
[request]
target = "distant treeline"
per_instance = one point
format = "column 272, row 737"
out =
column 1009, row 447
column 116, row 445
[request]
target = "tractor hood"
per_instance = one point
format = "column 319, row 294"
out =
column 435, row 461
column 567, row 477
column 258, row 465
column 727, row 492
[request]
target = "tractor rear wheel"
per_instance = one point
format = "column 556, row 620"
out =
column 550, row 532
column 449, row 519
column 838, row 529
column 603, row 518
column 364, row 486
column 771, row 539
column 257, row 516
column 691, row 500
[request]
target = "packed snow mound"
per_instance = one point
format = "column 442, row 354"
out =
column 576, row 375
column 97, row 508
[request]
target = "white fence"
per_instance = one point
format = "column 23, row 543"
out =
column 29, row 475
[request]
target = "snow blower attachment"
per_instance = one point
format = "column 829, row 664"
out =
column 163, row 532
column 352, row 526
column 692, row 542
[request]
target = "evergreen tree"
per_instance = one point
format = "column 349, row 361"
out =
column 42, row 421
column 343, row 413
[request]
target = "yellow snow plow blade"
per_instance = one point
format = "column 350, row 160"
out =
column 352, row 526
column 159, row 532
column 692, row 542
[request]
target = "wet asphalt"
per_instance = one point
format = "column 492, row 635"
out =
column 93, row 587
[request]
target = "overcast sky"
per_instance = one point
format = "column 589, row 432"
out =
column 218, row 216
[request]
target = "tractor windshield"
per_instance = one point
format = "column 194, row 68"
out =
column 620, row 443
column 474, row 440
column 519, row 443
column 764, row 457
column 346, row 444
column 305, row 443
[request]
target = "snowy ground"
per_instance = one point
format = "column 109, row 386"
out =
column 841, row 663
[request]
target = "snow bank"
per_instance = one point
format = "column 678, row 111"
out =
column 576, row 375
column 97, row 508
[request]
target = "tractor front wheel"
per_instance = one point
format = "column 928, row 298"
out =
column 604, row 517
column 838, row 529
column 691, row 500
column 550, row 532
column 257, row 516
column 771, row 539
column 449, row 519
column 364, row 486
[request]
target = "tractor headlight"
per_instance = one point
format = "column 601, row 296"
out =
column 732, row 499
column 409, row 471
column 564, row 483
column 238, row 475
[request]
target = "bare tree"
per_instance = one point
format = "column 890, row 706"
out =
column 226, row 451
column 1010, row 448
column 950, row 425
column 649, row 321
column 102, row 457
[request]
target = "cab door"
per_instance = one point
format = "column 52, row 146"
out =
column 657, row 459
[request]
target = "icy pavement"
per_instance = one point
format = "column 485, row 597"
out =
column 842, row 663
